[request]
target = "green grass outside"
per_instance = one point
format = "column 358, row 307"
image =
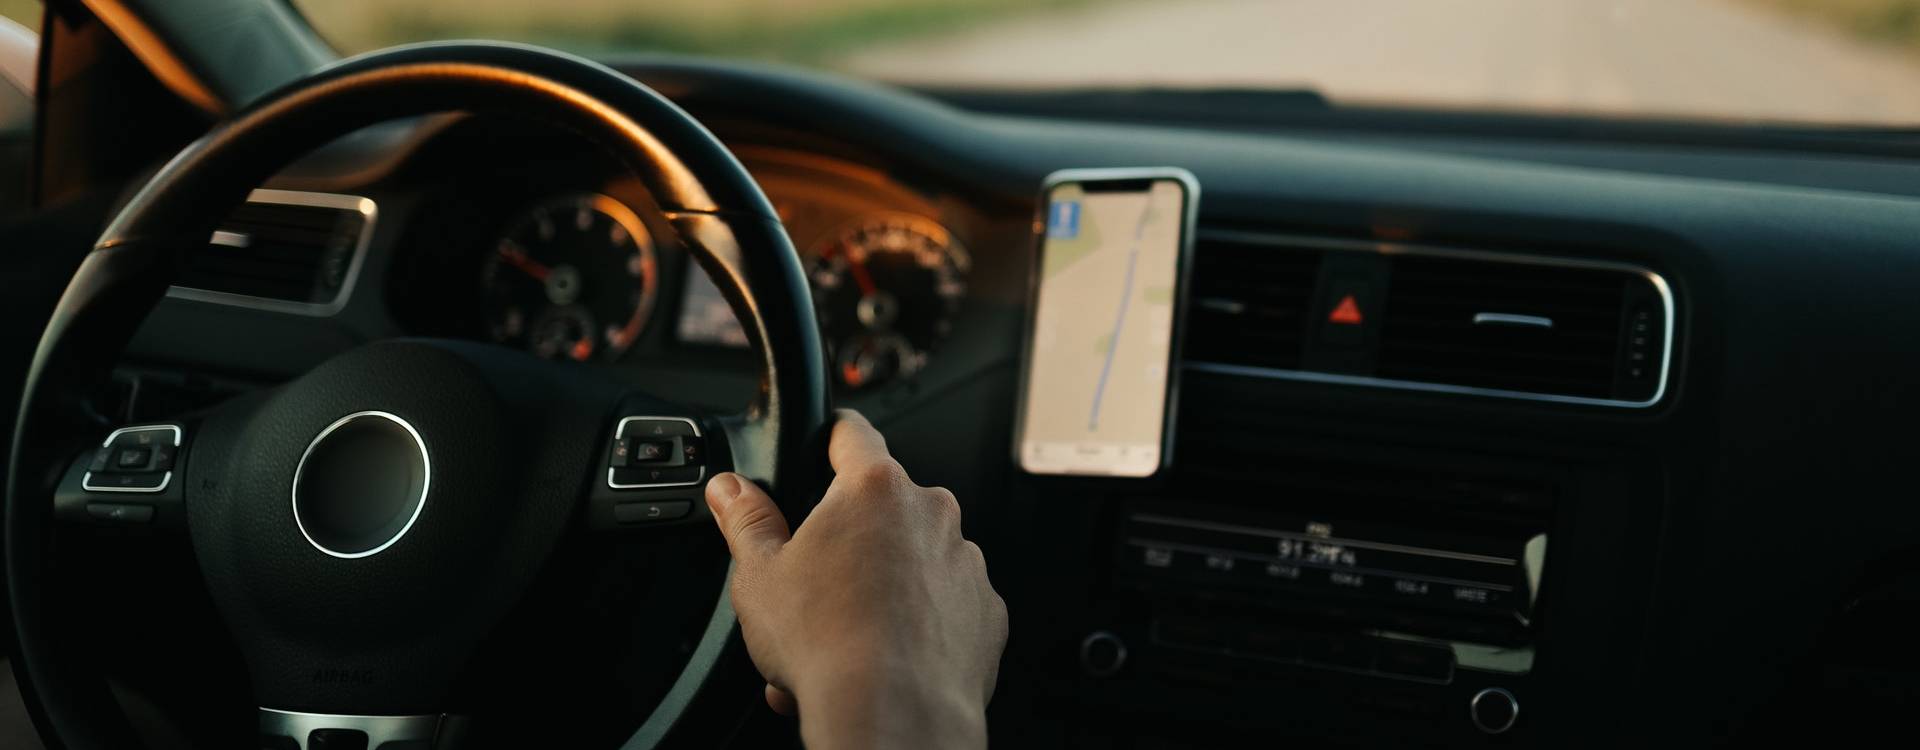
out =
column 1895, row 23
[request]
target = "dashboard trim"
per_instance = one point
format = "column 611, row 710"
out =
column 369, row 212
column 1658, row 281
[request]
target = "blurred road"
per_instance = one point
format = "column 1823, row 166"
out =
column 1685, row 57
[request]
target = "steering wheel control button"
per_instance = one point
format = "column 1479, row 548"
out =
column 361, row 484
column 134, row 459
column 120, row 512
column 644, row 476
column 645, row 512
column 656, row 428
column 1494, row 710
column 655, row 452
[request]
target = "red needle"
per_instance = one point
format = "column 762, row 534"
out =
column 527, row 265
column 860, row 276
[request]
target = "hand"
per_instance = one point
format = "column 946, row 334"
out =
column 876, row 622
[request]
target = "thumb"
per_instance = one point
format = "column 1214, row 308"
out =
column 754, row 527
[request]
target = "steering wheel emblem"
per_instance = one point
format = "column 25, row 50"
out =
column 361, row 484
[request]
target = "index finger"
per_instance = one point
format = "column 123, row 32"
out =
column 856, row 445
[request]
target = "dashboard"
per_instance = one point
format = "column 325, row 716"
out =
column 1366, row 542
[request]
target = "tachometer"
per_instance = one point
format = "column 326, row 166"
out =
column 573, row 278
column 886, row 290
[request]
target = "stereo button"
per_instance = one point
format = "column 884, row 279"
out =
column 1103, row 654
column 1494, row 710
column 1415, row 660
column 1337, row 651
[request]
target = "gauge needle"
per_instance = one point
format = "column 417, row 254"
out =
column 861, row 277
column 528, row 266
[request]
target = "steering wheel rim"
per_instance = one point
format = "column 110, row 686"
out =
column 706, row 196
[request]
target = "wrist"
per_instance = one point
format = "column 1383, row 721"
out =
column 854, row 708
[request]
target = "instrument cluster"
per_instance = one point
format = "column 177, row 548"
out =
column 578, row 276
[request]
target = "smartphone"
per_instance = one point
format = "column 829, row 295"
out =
column 1100, row 380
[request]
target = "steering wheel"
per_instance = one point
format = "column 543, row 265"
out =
column 362, row 528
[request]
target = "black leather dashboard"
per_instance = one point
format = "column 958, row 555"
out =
column 1712, row 556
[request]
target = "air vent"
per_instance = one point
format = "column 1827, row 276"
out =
column 1513, row 326
column 1250, row 302
column 282, row 250
column 1434, row 319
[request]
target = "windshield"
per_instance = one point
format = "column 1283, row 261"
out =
column 1813, row 61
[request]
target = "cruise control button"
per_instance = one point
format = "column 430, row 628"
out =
column 133, row 458
column 146, row 481
column 656, row 476
column 647, row 512
column 163, row 457
column 622, row 454
column 120, row 512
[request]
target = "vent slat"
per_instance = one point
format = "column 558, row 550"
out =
column 1428, row 334
column 288, row 248
column 1251, row 301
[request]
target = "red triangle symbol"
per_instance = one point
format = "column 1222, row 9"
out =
column 1346, row 313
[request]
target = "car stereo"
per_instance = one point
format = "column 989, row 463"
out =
column 1481, row 586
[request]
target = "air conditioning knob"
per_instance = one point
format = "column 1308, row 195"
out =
column 1494, row 710
column 1102, row 654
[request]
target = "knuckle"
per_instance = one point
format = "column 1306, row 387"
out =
column 996, row 614
column 880, row 477
column 944, row 502
column 975, row 555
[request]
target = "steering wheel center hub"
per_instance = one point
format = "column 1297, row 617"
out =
column 361, row 484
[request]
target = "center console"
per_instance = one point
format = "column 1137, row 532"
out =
column 1284, row 583
column 1330, row 560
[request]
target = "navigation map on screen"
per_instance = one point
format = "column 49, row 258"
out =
column 1103, row 328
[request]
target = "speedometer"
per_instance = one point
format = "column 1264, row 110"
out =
column 886, row 290
column 573, row 278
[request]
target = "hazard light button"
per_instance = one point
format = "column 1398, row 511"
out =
column 1348, row 314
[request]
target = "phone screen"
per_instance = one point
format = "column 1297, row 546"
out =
column 1097, row 396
